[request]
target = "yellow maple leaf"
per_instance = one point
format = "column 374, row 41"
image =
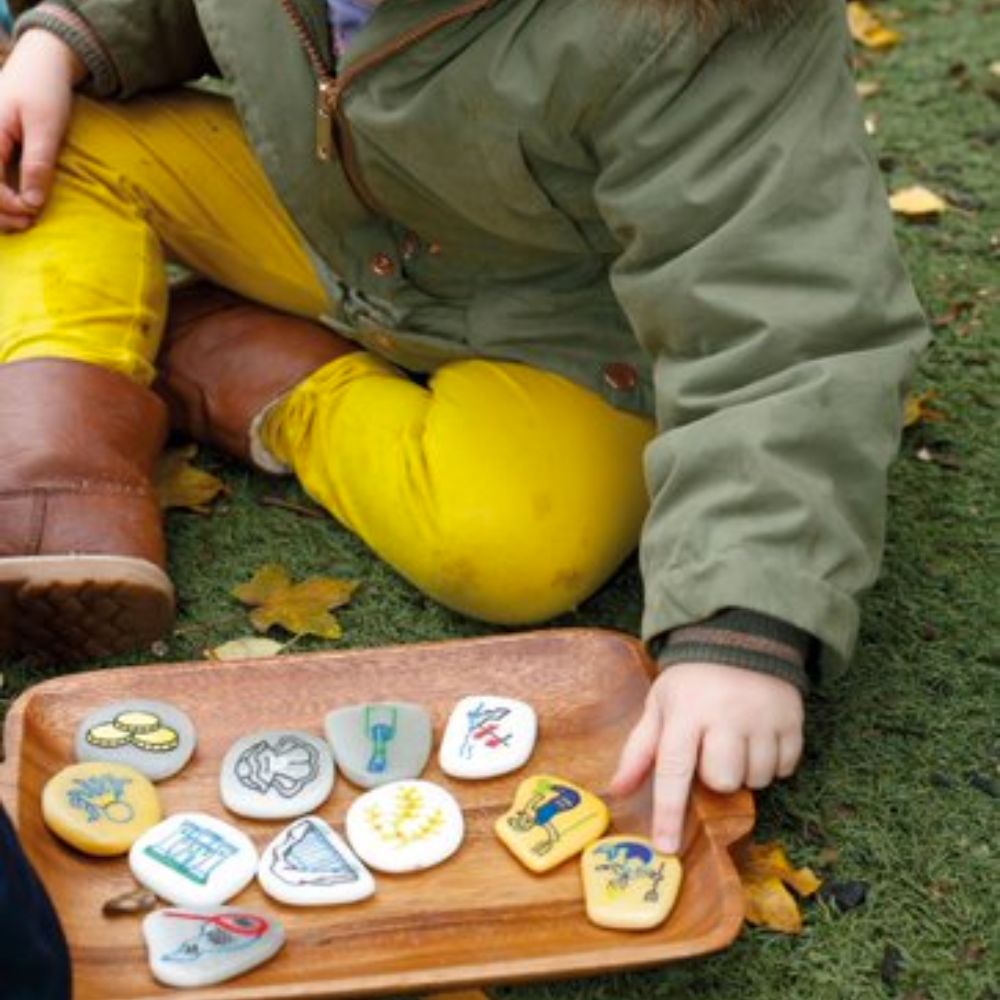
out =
column 300, row 608
column 917, row 408
column 868, row 30
column 765, row 871
column 252, row 647
column 917, row 202
column 180, row 484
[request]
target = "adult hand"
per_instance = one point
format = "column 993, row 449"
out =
column 729, row 725
column 36, row 96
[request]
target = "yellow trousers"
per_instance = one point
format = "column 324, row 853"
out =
column 505, row 492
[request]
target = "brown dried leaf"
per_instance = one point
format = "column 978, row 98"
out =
column 868, row 30
column 300, row 608
column 180, row 484
column 765, row 871
column 253, row 647
column 917, row 409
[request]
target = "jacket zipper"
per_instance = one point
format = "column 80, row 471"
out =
column 332, row 130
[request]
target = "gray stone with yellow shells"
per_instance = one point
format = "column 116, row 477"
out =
column 154, row 737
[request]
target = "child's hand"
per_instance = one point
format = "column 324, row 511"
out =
column 36, row 95
column 731, row 726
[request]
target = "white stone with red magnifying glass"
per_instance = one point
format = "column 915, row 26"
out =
column 201, row 946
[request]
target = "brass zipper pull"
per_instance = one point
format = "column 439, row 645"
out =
column 326, row 98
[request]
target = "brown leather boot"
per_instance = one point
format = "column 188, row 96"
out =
column 81, row 536
column 225, row 360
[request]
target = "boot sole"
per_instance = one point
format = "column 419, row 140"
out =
column 71, row 608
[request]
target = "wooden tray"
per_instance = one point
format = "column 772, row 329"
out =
column 480, row 918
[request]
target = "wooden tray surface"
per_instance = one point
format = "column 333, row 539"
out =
column 478, row 919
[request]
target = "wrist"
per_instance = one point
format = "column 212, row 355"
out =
column 39, row 43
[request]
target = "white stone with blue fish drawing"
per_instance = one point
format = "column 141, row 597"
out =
column 380, row 742
column 309, row 864
column 276, row 774
column 193, row 859
column 205, row 945
column 488, row 735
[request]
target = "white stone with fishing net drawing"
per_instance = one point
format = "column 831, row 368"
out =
column 405, row 826
column 309, row 864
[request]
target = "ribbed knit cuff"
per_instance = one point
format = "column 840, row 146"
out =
column 737, row 637
column 63, row 20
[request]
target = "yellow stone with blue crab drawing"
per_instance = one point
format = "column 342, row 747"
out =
column 628, row 884
column 551, row 820
column 100, row 808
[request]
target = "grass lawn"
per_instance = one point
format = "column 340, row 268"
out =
column 900, row 782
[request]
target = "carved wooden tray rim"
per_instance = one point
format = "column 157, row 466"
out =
column 716, row 821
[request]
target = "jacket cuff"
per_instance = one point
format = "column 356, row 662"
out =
column 63, row 20
column 737, row 637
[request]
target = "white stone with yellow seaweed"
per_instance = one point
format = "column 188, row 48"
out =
column 405, row 826
column 628, row 884
column 193, row 859
column 154, row 737
column 309, row 864
column 206, row 945
column 276, row 774
column 487, row 735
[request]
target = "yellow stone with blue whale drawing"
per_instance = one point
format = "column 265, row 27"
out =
column 551, row 820
column 628, row 884
column 100, row 808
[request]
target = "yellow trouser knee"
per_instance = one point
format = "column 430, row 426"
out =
column 507, row 493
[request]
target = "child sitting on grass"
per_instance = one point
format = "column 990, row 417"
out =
column 512, row 286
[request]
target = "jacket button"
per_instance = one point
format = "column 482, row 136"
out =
column 621, row 376
column 383, row 265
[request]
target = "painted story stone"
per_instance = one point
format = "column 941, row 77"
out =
column 100, row 808
column 405, row 826
column 487, row 735
column 309, row 864
column 551, row 820
column 202, row 946
column 154, row 737
column 628, row 884
column 193, row 859
column 380, row 742
column 276, row 774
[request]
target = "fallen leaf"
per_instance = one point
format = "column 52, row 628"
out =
column 995, row 68
column 871, row 123
column 917, row 409
column 868, row 30
column 765, row 871
column 180, row 484
column 917, row 203
column 252, row 647
column 868, row 88
column 300, row 608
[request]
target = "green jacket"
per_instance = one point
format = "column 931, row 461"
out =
column 678, row 211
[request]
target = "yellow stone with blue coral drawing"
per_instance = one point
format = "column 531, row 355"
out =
column 551, row 820
column 628, row 884
column 100, row 808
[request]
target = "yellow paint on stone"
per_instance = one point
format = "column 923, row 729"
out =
column 100, row 808
column 551, row 820
column 628, row 884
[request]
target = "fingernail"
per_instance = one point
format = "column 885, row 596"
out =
column 666, row 845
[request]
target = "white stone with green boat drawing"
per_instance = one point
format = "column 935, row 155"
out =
column 193, row 859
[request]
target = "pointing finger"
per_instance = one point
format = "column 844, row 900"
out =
column 675, row 765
